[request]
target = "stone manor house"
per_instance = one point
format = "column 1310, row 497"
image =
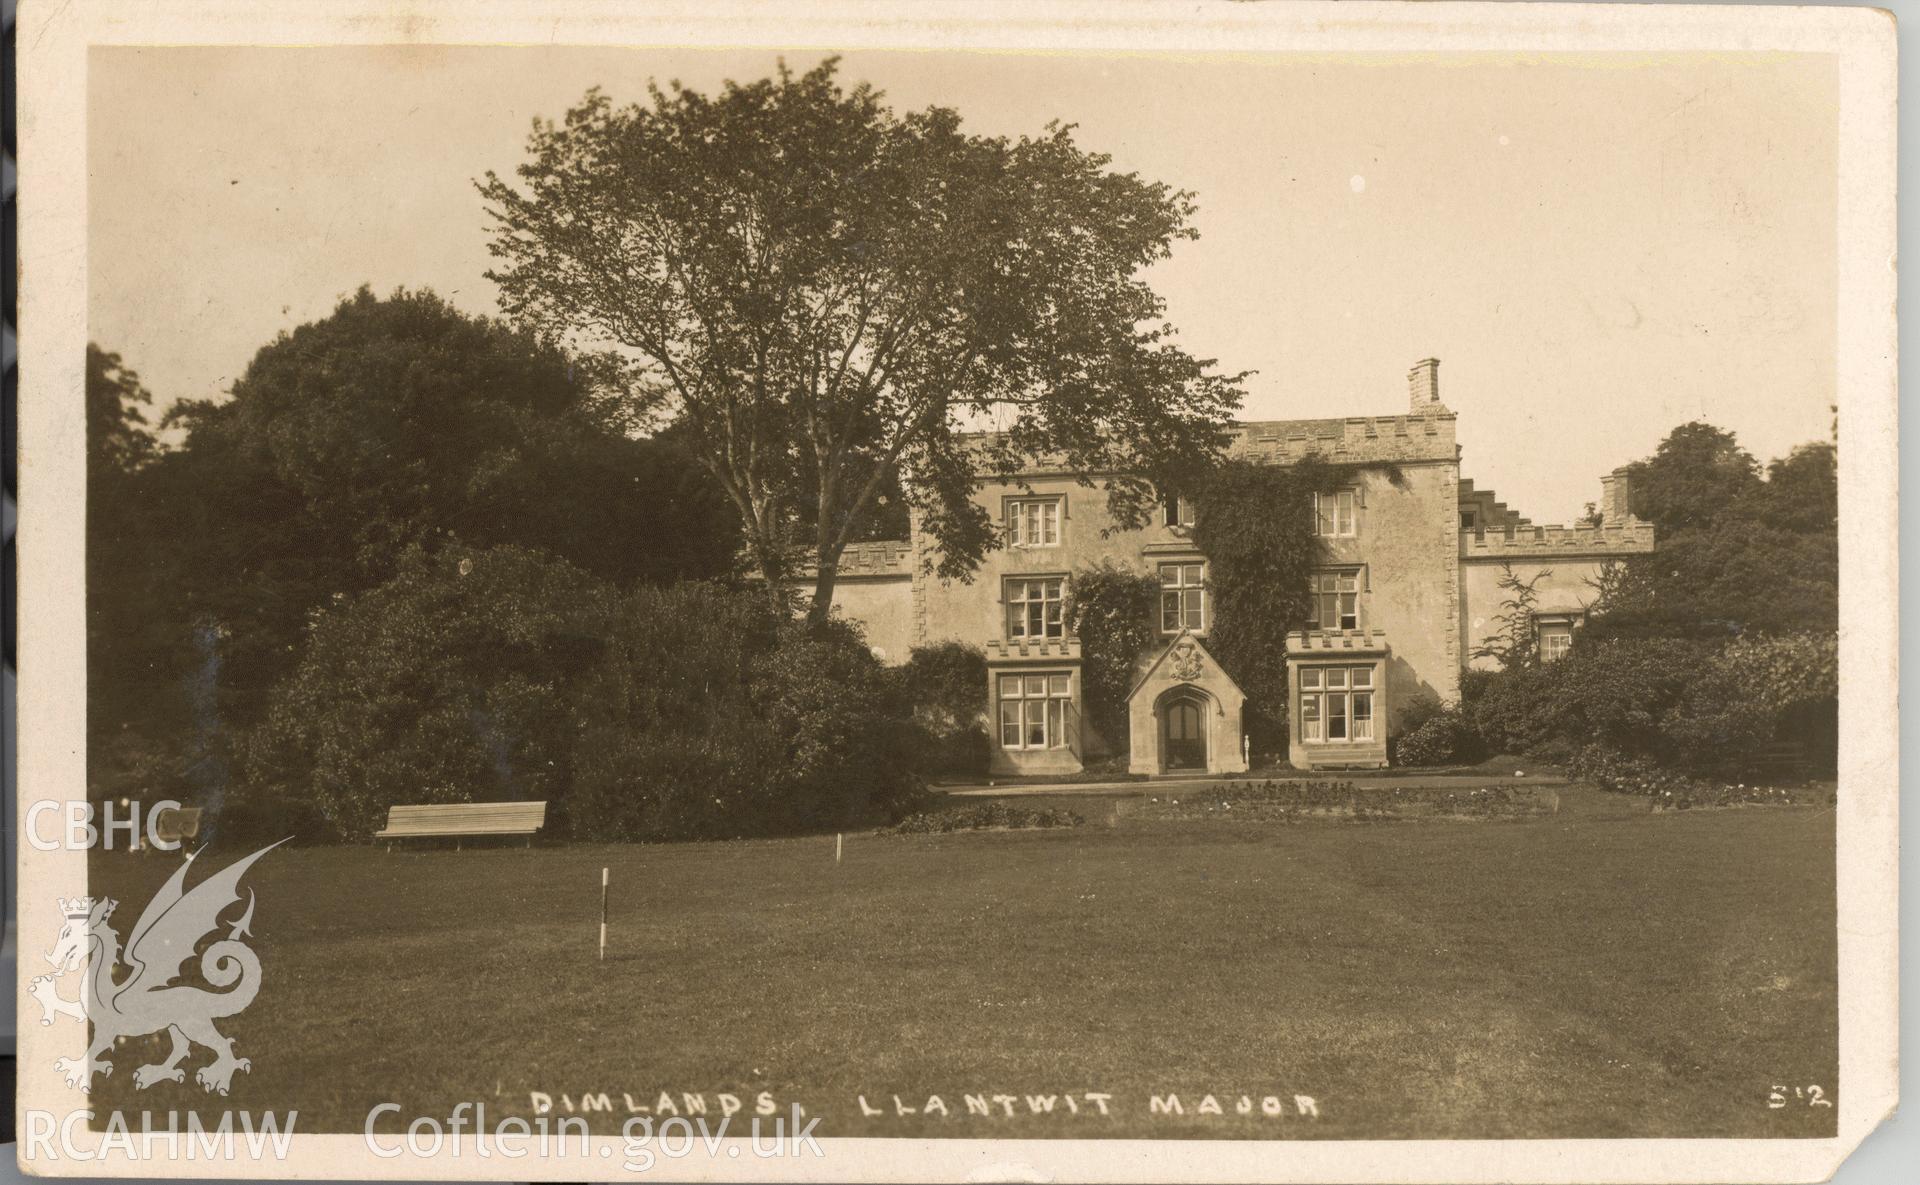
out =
column 1408, row 590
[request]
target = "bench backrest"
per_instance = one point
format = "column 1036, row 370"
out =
column 471, row 818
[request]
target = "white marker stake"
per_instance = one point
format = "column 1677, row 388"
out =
column 836, row 847
column 603, row 915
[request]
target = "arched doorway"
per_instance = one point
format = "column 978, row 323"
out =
column 1184, row 733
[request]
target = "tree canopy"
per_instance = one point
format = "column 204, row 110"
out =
column 122, row 561
column 825, row 293
column 1695, row 476
column 1735, row 553
column 393, row 423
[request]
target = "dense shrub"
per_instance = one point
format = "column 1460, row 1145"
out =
column 1613, row 693
column 946, row 687
column 1552, row 751
column 665, row 713
column 1442, row 739
column 1752, row 693
column 946, row 683
column 714, row 716
column 445, row 684
column 1702, row 707
column 1711, row 651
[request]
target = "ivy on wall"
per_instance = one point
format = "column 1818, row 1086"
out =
column 1111, row 610
column 1254, row 523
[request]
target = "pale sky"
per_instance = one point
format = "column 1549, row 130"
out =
column 1597, row 248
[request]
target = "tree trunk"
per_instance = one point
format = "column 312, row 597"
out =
column 826, row 574
column 770, row 554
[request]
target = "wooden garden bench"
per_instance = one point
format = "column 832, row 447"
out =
column 460, row 820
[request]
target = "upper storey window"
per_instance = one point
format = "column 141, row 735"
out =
column 1036, row 608
column 1333, row 513
column 1335, row 604
column 1183, row 598
column 1175, row 512
column 1033, row 522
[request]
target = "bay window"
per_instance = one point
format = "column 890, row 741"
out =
column 1336, row 704
column 1035, row 711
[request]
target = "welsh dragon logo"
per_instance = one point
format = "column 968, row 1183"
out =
column 148, row 998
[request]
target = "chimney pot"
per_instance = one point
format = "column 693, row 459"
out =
column 1423, row 386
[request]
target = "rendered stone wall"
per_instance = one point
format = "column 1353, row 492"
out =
column 1431, row 590
column 1565, row 590
column 884, row 607
column 975, row 611
column 1408, row 541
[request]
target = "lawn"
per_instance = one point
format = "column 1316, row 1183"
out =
column 1597, row 972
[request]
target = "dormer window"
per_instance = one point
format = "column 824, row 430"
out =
column 1033, row 522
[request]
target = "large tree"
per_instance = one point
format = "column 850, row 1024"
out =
column 123, row 559
column 1734, row 553
column 392, row 423
column 826, row 293
column 1697, row 475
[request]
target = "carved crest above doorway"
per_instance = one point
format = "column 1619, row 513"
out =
column 1184, row 713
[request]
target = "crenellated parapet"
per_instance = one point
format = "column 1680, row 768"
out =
column 1331, row 643
column 1631, row 537
column 1360, row 440
column 1356, row 439
column 876, row 558
column 1041, row 650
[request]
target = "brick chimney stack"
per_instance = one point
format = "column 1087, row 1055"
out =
column 1423, row 386
column 1616, row 497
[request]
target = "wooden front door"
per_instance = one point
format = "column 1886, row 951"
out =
column 1186, row 740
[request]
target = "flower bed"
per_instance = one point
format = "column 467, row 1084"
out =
column 1288, row 800
column 986, row 816
column 1674, row 791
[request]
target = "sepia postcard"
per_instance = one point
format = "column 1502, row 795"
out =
column 910, row 592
